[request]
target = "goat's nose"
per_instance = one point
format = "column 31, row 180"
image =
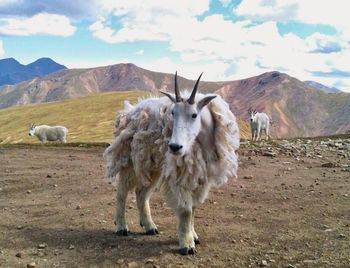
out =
column 174, row 147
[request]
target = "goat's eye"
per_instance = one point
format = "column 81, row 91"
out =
column 172, row 112
column 194, row 115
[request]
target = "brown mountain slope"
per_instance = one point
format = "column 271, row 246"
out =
column 68, row 84
column 295, row 108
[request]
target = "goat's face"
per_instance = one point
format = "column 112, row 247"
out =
column 186, row 120
column 31, row 131
column 252, row 116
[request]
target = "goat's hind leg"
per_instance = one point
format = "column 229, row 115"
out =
column 143, row 194
column 125, row 183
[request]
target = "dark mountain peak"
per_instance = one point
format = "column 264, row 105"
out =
column 47, row 63
column 9, row 60
column 9, row 63
column 43, row 60
column 13, row 72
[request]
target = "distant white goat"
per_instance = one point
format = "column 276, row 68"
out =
column 184, row 143
column 259, row 122
column 47, row 133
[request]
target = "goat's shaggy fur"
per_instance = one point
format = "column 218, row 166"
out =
column 47, row 133
column 139, row 158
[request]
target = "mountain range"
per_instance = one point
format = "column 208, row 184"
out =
column 296, row 108
column 12, row 72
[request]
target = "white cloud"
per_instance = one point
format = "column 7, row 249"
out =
column 40, row 24
column 7, row 2
column 225, row 49
column 333, row 13
column 2, row 50
column 153, row 7
column 140, row 52
column 145, row 21
column 212, row 71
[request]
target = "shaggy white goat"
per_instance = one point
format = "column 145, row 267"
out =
column 185, row 144
column 259, row 122
column 47, row 133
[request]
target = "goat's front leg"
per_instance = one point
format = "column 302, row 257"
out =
column 254, row 135
column 195, row 236
column 143, row 195
column 186, row 240
column 120, row 222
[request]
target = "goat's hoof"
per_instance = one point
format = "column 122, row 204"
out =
column 122, row 232
column 152, row 232
column 186, row 251
column 196, row 241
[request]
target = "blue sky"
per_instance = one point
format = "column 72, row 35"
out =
column 226, row 39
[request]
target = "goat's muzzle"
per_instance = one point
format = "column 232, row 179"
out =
column 175, row 148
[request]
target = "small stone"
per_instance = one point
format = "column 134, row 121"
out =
column 48, row 176
column 248, row 177
column 29, row 191
column 42, row 245
column 329, row 165
column 263, row 263
column 341, row 236
column 78, row 207
column 31, row 265
column 149, row 261
column 268, row 153
column 19, row 255
column 71, row 247
column 19, row 227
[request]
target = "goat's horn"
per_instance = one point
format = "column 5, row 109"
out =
column 177, row 93
column 194, row 91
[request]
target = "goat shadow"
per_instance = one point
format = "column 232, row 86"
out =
column 99, row 245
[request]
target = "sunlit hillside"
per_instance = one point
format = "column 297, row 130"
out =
column 89, row 119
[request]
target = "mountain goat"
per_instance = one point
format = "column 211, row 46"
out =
column 185, row 144
column 47, row 133
column 259, row 122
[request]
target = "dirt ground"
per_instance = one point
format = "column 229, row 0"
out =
column 284, row 210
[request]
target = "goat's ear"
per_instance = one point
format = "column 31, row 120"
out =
column 171, row 97
column 205, row 101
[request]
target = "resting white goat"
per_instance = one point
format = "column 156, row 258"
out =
column 259, row 122
column 47, row 133
column 185, row 144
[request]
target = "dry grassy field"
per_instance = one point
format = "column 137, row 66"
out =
column 88, row 119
